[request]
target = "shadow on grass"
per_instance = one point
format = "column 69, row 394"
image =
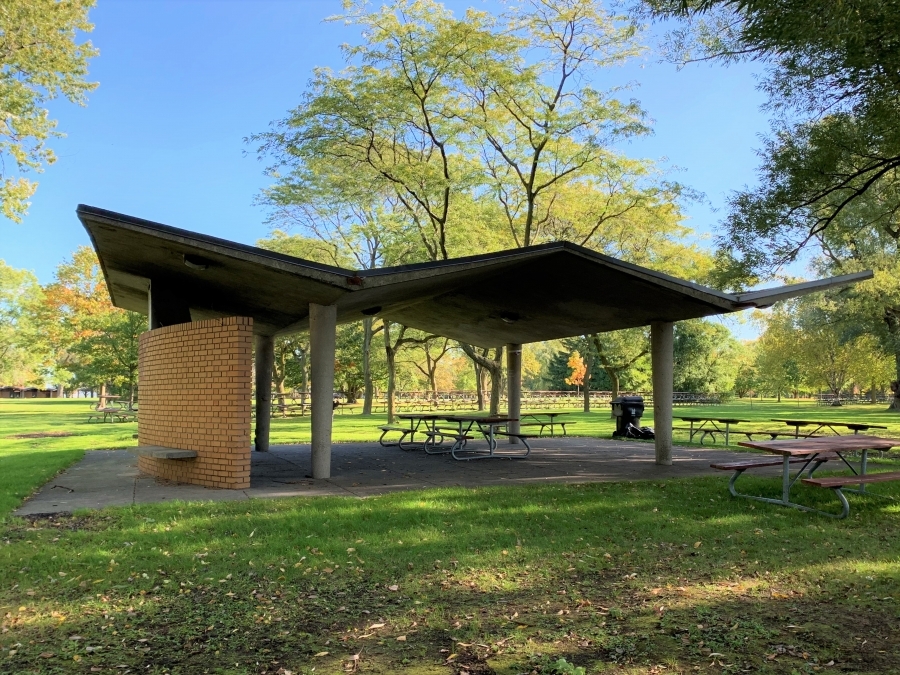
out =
column 637, row 575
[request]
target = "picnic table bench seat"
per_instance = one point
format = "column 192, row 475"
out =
column 161, row 452
column 544, row 425
column 459, row 439
column 740, row 466
column 837, row 482
column 522, row 437
column 388, row 428
column 771, row 434
column 749, row 433
column 745, row 464
column 703, row 433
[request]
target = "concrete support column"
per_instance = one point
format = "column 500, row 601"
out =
column 322, row 324
column 514, row 387
column 663, row 363
column 265, row 360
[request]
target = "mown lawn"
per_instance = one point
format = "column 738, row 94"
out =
column 649, row 577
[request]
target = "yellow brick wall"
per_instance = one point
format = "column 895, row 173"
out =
column 195, row 383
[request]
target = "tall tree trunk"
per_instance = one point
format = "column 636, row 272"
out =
column 279, row 371
column 494, row 367
column 391, row 370
column 613, row 375
column 479, row 385
column 496, row 381
column 432, row 381
column 895, row 387
column 588, row 365
column 368, row 389
column 892, row 319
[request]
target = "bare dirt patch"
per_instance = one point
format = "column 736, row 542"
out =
column 43, row 434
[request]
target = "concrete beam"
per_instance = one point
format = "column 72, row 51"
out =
column 322, row 325
column 514, row 387
column 265, row 361
column 663, row 364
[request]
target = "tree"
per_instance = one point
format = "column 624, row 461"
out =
column 392, row 347
column 777, row 359
column 705, row 357
column 389, row 117
column 108, row 350
column 344, row 221
column 539, row 127
column 577, row 370
column 40, row 60
column 57, row 322
column 78, row 330
column 833, row 84
column 19, row 289
column 747, row 379
column 619, row 351
column 433, row 350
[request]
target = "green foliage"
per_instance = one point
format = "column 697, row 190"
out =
column 563, row 667
column 40, row 59
column 832, row 85
column 445, row 137
column 19, row 289
column 705, row 357
column 107, row 353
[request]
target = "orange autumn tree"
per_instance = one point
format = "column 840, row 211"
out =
column 578, row 369
column 82, row 335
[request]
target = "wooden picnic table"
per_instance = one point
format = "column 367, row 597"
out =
column 810, row 453
column 709, row 426
column 856, row 427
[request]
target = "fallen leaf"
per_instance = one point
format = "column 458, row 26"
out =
column 47, row 655
column 401, row 638
column 394, row 587
column 375, row 625
column 698, row 544
column 321, row 654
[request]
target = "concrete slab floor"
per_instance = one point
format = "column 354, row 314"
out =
column 111, row 477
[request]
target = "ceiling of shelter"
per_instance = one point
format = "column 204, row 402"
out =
column 522, row 295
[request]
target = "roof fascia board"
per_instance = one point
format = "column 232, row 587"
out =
column 335, row 276
column 769, row 296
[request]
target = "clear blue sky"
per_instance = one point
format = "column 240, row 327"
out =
column 182, row 83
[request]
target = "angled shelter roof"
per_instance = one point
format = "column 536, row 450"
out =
column 521, row 295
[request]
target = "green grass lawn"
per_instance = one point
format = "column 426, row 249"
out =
column 649, row 577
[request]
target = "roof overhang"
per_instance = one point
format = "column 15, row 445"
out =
column 517, row 296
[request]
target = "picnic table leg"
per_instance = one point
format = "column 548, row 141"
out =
column 726, row 433
column 862, row 469
column 786, row 479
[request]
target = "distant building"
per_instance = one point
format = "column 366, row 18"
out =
column 28, row 392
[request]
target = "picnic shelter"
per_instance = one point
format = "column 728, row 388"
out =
column 209, row 301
